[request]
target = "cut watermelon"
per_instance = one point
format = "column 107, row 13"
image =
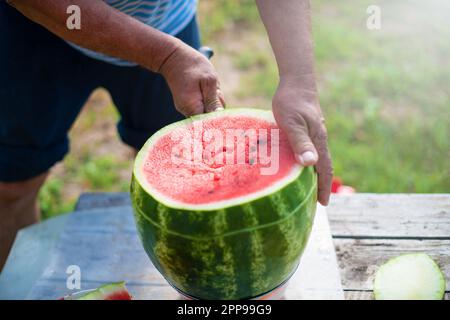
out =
column 409, row 277
column 112, row 291
column 222, row 208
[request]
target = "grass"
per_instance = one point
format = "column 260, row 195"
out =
column 385, row 95
column 51, row 199
column 101, row 173
column 387, row 104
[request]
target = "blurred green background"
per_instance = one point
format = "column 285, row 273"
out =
column 385, row 94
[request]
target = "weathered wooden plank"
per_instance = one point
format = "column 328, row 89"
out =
column 368, row 295
column 28, row 257
column 103, row 243
column 390, row 215
column 97, row 200
column 359, row 259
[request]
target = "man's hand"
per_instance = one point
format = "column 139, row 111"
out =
column 295, row 104
column 297, row 112
column 190, row 75
column 192, row 81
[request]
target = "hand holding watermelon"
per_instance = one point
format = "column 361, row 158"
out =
column 297, row 111
column 193, row 81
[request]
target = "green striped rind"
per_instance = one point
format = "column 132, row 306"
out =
column 237, row 252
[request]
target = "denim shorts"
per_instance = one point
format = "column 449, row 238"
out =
column 44, row 83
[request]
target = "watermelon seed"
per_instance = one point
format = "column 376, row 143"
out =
column 261, row 141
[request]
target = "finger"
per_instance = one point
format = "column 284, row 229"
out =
column 193, row 110
column 221, row 98
column 211, row 100
column 298, row 136
column 190, row 108
column 324, row 166
column 189, row 101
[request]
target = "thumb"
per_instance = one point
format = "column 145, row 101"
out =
column 301, row 143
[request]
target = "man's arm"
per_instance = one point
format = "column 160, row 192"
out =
column 295, row 104
column 109, row 31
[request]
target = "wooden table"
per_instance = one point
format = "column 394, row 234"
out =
column 367, row 230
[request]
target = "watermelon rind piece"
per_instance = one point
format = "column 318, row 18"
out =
column 111, row 291
column 234, row 249
column 413, row 276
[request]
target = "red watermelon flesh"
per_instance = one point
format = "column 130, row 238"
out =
column 121, row 295
column 209, row 167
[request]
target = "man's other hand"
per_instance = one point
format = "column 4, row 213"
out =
column 193, row 81
column 298, row 114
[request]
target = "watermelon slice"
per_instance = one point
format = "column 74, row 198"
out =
column 222, row 208
column 112, row 291
column 409, row 277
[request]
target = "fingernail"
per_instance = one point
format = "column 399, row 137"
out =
column 213, row 109
column 307, row 158
column 216, row 109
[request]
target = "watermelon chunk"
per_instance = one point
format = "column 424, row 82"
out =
column 221, row 217
column 112, row 291
column 409, row 277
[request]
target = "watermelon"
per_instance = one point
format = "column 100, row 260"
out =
column 221, row 206
column 413, row 276
column 111, row 291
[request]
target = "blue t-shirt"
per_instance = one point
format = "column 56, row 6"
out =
column 168, row 16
